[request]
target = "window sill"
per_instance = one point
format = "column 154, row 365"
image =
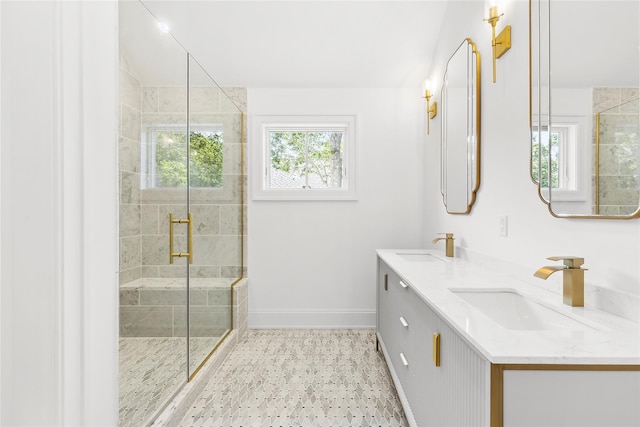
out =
column 304, row 195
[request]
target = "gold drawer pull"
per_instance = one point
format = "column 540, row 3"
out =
column 436, row 349
column 404, row 285
column 404, row 322
column 404, row 359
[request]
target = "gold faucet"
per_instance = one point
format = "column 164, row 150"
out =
column 572, row 279
column 449, row 244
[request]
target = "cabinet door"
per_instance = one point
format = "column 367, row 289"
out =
column 585, row 398
column 387, row 305
column 456, row 393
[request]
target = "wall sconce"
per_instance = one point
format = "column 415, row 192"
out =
column 432, row 109
column 502, row 43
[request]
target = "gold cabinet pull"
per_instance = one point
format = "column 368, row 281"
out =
column 189, row 222
column 436, row 349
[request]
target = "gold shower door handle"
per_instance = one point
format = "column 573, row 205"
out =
column 189, row 254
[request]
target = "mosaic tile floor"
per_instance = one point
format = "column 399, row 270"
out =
column 302, row 378
column 151, row 370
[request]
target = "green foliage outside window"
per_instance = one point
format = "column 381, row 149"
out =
column 540, row 160
column 309, row 155
column 171, row 159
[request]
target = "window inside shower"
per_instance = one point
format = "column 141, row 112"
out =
column 164, row 157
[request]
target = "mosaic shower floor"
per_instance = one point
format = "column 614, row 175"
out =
column 302, row 378
column 151, row 370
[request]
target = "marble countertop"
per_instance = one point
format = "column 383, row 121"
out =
column 606, row 339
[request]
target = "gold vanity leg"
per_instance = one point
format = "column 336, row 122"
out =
column 497, row 395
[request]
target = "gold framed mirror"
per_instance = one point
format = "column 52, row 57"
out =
column 585, row 107
column 460, row 138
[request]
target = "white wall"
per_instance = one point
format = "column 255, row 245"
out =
column 58, row 213
column 611, row 248
column 313, row 264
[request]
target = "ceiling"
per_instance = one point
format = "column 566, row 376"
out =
column 300, row 44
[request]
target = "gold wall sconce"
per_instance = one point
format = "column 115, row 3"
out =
column 502, row 43
column 432, row 108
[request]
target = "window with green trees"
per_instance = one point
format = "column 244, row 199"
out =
column 167, row 159
column 544, row 154
column 306, row 158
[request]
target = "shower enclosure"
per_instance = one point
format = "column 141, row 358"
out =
column 181, row 214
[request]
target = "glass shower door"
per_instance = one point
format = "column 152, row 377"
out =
column 215, row 200
column 181, row 214
column 152, row 165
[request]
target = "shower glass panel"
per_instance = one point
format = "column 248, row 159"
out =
column 152, row 151
column 215, row 201
column 181, row 214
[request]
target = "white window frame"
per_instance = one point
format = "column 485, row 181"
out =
column 260, row 166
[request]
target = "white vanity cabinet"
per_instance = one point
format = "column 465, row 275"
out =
column 456, row 393
column 491, row 376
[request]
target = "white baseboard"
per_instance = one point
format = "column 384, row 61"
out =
column 312, row 319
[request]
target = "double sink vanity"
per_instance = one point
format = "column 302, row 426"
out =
column 469, row 346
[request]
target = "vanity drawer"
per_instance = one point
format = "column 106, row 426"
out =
column 403, row 337
column 395, row 327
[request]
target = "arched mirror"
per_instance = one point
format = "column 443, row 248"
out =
column 460, row 144
column 585, row 106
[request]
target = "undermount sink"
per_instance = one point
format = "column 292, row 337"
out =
column 418, row 257
column 512, row 310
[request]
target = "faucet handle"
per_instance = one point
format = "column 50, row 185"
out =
column 569, row 261
column 447, row 235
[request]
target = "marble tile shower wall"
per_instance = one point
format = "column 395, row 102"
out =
column 129, row 167
column 619, row 153
column 216, row 212
column 151, row 303
column 157, row 308
column 144, row 211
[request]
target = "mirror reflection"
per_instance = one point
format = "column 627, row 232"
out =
column 585, row 107
column 460, row 144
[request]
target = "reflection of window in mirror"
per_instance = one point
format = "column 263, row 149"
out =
column 561, row 151
column 557, row 156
